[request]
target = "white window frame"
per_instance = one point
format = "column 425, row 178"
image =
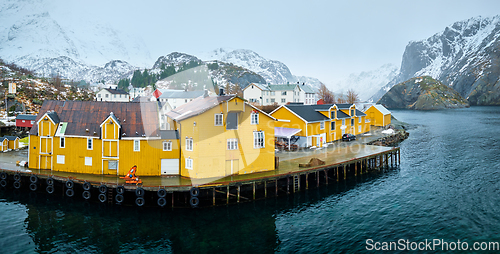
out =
column 343, row 121
column 232, row 144
column 216, row 122
column 62, row 143
column 254, row 118
column 167, row 145
column 88, row 161
column 189, row 163
column 352, row 122
column 91, row 143
column 322, row 125
column 259, row 139
column 61, row 159
column 189, row 144
column 332, row 124
column 283, row 100
column 283, row 93
column 359, row 128
column 359, row 119
column 137, row 145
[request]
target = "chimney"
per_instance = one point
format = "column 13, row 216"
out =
column 221, row 91
column 303, row 83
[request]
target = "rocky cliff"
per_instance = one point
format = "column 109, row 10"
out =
column 464, row 56
column 423, row 93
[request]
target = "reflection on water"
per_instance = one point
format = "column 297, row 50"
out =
column 58, row 224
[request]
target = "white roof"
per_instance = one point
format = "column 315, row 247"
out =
column 382, row 109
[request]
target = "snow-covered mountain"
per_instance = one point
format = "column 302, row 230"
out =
column 274, row 72
column 366, row 83
column 464, row 56
column 32, row 37
column 219, row 72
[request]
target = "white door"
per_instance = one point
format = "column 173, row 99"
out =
column 169, row 166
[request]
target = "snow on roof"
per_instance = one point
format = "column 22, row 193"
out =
column 382, row 109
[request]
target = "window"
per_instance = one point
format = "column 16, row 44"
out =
column 352, row 112
column 107, row 95
column 88, row 161
column 283, row 100
column 167, row 145
column 99, row 96
column 218, row 119
column 189, row 163
column 60, row 159
column 232, row 121
column 189, row 144
column 272, row 101
column 283, row 93
column 185, row 100
column 352, row 121
column 258, row 139
column 322, row 125
column 343, row 121
column 115, row 96
column 267, row 100
column 359, row 128
column 255, row 118
column 113, row 165
column 332, row 126
column 89, row 144
column 137, row 145
column 359, row 119
column 272, row 93
column 62, row 143
column 232, row 144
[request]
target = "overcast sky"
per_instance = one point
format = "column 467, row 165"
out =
column 322, row 39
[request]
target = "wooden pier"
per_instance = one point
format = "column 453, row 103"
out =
column 175, row 192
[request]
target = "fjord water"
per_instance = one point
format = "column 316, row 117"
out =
column 447, row 187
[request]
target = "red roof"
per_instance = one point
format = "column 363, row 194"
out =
column 85, row 117
column 320, row 102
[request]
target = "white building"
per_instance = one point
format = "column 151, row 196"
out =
column 112, row 94
column 175, row 98
column 263, row 94
column 135, row 92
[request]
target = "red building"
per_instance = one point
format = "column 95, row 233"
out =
column 25, row 120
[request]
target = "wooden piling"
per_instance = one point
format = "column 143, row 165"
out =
column 345, row 174
column 213, row 193
column 326, row 176
column 265, row 189
column 253, row 183
column 239, row 190
column 227, row 195
column 317, row 179
column 307, row 181
column 356, row 168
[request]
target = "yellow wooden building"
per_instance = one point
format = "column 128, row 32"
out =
column 222, row 136
column 4, row 144
column 316, row 125
column 378, row 115
column 13, row 142
column 102, row 138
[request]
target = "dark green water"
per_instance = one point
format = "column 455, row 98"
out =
column 447, row 187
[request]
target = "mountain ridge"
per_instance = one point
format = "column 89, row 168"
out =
column 464, row 56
